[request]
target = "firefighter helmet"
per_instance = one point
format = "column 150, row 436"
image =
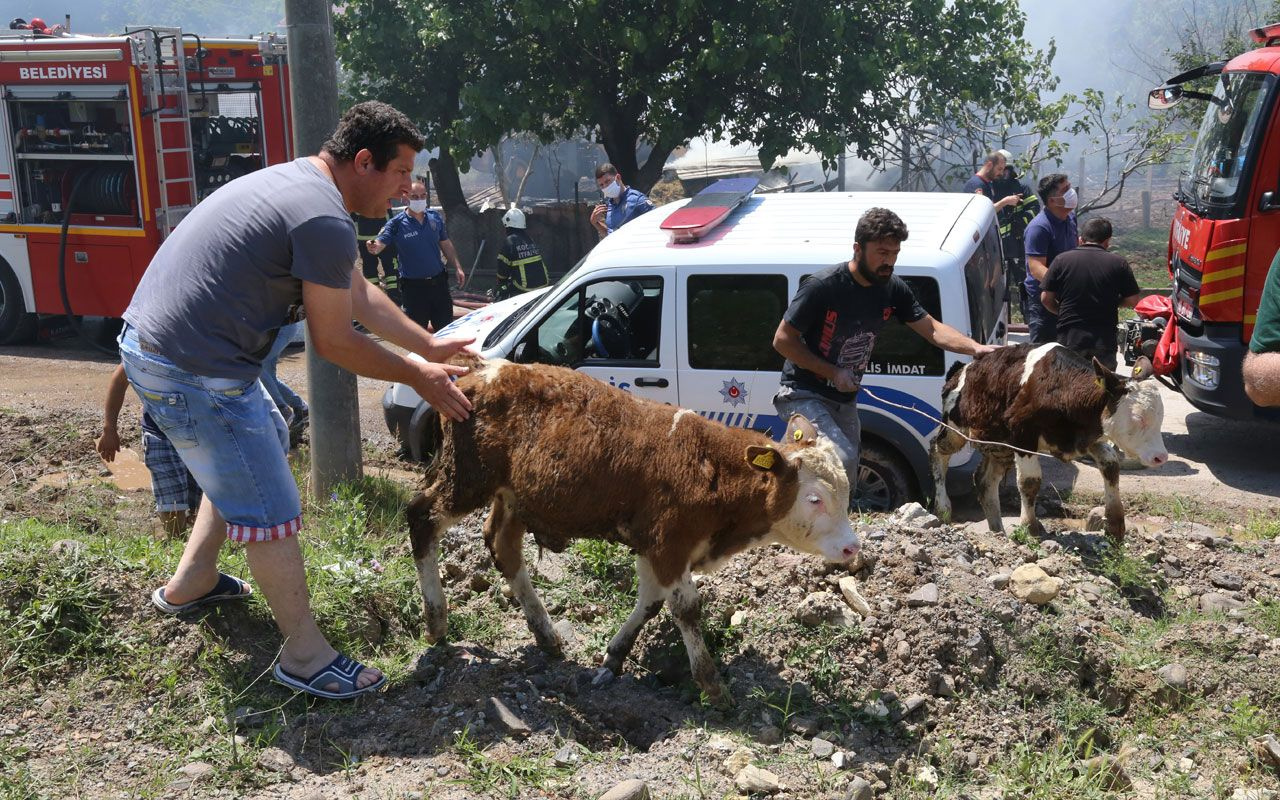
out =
column 514, row 218
column 37, row 24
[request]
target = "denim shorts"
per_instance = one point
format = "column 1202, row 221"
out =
column 171, row 482
column 230, row 436
column 834, row 419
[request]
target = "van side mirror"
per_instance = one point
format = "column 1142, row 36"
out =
column 1163, row 97
column 1268, row 202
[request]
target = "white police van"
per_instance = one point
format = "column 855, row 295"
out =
column 692, row 324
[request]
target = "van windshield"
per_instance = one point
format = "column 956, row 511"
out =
column 1224, row 151
column 523, row 311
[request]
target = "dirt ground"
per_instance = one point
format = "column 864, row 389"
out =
column 1223, row 461
column 1150, row 672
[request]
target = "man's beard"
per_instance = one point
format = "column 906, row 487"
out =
column 864, row 269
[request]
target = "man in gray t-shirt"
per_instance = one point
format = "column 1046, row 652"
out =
column 205, row 314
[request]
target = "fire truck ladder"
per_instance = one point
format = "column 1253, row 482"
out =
column 158, row 53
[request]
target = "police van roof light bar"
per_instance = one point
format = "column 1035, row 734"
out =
column 708, row 208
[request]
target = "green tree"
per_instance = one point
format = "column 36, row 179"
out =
column 656, row 73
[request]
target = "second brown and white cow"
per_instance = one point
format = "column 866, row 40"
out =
column 1047, row 399
column 565, row 456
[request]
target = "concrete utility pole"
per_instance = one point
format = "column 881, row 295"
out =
column 313, row 89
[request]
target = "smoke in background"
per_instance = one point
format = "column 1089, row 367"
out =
column 203, row 17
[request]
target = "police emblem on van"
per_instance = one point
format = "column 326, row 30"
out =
column 733, row 392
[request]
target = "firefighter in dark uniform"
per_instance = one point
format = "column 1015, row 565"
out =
column 367, row 228
column 1013, row 222
column 520, row 264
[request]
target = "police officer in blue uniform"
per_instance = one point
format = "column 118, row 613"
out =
column 420, row 238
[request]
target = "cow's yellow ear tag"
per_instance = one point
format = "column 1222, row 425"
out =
column 1099, row 382
column 1137, row 371
column 798, row 435
column 764, row 460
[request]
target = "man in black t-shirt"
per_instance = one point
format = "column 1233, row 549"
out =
column 830, row 328
column 1084, row 288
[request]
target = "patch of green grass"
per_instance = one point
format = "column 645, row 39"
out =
column 55, row 607
column 1246, row 721
column 1076, row 714
column 1147, row 252
column 513, row 777
column 1262, row 524
column 1042, row 649
column 483, row 627
column 1265, row 616
column 1029, row 772
column 1257, row 524
column 1022, row 535
column 606, row 562
column 16, row 782
column 1125, row 571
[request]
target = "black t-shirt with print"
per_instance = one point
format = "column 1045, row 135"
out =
column 839, row 319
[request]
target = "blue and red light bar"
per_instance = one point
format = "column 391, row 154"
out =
column 708, row 208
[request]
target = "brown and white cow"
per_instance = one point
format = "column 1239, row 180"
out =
column 1047, row 399
column 565, row 456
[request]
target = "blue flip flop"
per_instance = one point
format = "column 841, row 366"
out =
column 227, row 588
column 342, row 671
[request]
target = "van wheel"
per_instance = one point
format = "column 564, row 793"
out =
column 884, row 481
column 17, row 326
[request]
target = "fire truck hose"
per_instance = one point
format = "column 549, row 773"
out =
column 62, row 266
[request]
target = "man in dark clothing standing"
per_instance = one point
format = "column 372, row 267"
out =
column 367, row 229
column 830, row 328
column 1084, row 288
column 1013, row 224
column 1050, row 234
column 420, row 238
column 983, row 181
column 520, row 264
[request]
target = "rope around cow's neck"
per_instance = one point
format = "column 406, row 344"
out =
column 957, row 431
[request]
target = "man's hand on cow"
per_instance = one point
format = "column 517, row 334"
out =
column 845, row 380
column 435, row 385
column 980, row 348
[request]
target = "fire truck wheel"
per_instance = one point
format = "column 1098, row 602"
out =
column 16, row 325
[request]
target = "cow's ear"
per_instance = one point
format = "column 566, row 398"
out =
column 800, row 431
column 765, row 459
column 1111, row 383
column 1142, row 369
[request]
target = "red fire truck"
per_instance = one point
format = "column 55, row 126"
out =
column 1226, row 228
column 106, row 142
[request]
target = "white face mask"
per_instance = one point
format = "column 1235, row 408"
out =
column 1070, row 199
column 417, row 206
column 612, row 190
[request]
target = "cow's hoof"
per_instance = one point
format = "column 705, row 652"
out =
column 1036, row 528
column 437, row 628
column 553, row 646
column 603, row 677
column 613, row 664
